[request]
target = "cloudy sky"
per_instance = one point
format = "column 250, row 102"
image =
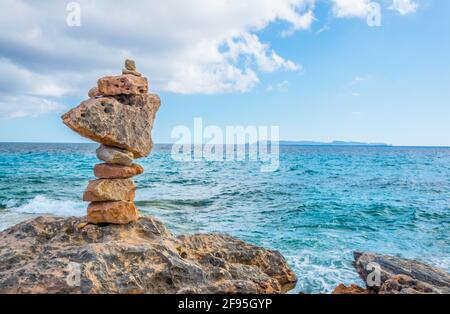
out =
column 313, row 67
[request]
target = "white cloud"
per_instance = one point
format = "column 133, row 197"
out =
column 16, row 79
column 404, row 7
column 196, row 46
column 248, row 45
column 23, row 92
column 351, row 8
column 184, row 46
column 361, row 8
column 23, row 106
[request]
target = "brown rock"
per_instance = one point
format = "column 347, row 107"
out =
column 110, row 190
column 114, row 155
column 352, row 289
column 105, row 171
column 112, row 212
column 130, row 65
column 139, row 101
column 215, row 248
column 142, row 257
column 123, row 85
column 109, row 122
column 402, row 284
column 94, row 93
column 135, row 73
column 390, row 266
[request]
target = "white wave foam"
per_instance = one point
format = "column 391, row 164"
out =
column 42, row 205
column 9, row 203
column 319, row 273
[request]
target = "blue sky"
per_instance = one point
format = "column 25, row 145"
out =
column 338, row 78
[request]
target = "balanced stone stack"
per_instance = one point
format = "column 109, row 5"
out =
column 119, row 115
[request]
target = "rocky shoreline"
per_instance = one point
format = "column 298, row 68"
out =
column 68, row 255
column 394, row 275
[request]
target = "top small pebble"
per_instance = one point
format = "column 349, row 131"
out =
column 130, row 68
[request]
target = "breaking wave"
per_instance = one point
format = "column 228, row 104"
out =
column 41, row 205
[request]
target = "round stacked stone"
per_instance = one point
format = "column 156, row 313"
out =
column 112, row 194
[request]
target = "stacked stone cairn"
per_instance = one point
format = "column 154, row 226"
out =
column 119, row 115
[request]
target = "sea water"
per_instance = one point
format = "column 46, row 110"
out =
column 321, row 205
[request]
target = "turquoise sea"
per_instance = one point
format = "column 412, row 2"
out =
column 321, row 205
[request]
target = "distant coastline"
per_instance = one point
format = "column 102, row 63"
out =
column 333, row 143
column 281, row 143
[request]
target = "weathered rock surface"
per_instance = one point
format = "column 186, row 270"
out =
column 123, row 85
column 395, row 275
column 110, row 190
column 114, row 155
column 50, row 254
column 130, row 65
column 116, row 212
column 352, row 289
column 93, row 92
column 131, row 72
column 111, row 123
column 390, row 266
column 106, row 171
column 139, row 101
column 402, row 284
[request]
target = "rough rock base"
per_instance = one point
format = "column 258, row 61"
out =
column 63, row 255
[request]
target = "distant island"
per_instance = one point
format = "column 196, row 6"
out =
column 311, row 143
column 333, row 143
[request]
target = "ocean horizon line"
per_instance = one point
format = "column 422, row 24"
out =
column 281, row 144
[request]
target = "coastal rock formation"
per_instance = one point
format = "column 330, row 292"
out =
column 402, row 284
column 391, row 266
column 109, row 122
column 395, row 275
column 119, row 115
column 64, row 255
column 352, row 289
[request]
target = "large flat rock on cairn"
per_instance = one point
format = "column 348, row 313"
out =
column 125, row 124
column 61, row 255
